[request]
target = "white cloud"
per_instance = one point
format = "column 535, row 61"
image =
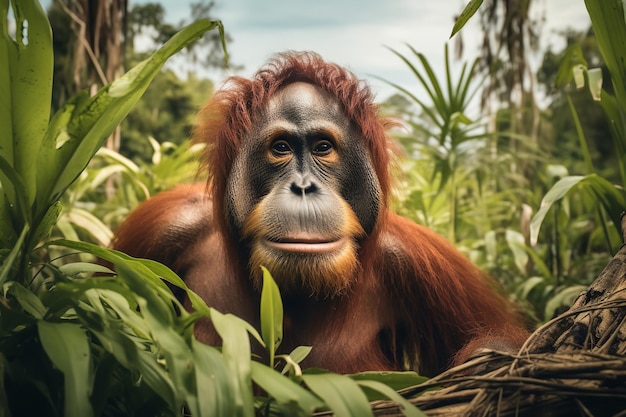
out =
column 354, row 33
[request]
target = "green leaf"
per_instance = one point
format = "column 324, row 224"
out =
column 25, row 98
column 340, row 393
column 271, row 314
column 469, row 11
column 286, row 392
column 67, row 346
column 91, row 224
column 149, row 269
column 595, row 83
column 581, row 136
column 214, row 383
column 407, row 408
column 79, row 129
column 77, row 268
column 608, row 22
column 300, row 353
column 294, row 358
column 124, row 334
column 563, row 298
column 607, row 195
column 236, row 351
column 517, row 244
column 14, row 189
column 49, row 220
column 27, row 300
column 161, row 319
column 529, row 285
column 395, row 380
column 9, row 262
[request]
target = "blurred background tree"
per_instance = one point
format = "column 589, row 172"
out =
column 95, row 41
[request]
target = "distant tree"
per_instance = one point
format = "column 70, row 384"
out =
column 148, row 20
column 94, row 47
column 89, row 43
column 95, row 40
column 166, row 113
column 511, row 32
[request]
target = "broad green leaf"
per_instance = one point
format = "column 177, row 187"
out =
column 284, row 391
column 76, row 268
column 160, row 316
column 149, row 269
column 29, row 61
column 608, row 22
column 608, row 196
column 156, row 272
column 79, row 129
column 91, row 224
column 7, row 59
column 67, row 346
column 563, row 298
column 271, row 314
column 110, row 310
column 340, row 393
column 470, row 9
column 517, row 244
column 25, row 297
column 236, row 351
column 133, row 353
column 214, row 383
column 300, row 353
column 407, row 408
column 529, row 285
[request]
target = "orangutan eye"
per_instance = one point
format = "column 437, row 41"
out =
column 280, row 147
column 322, row 148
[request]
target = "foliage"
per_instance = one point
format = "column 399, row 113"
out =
column 148, row 20
column 545, row 262
column 166, row 113
column 90, row 215
column 588, row 119
column 56, row 326
column 450, row 183
column 77, row 339
column 450, row 137
column 610, row 199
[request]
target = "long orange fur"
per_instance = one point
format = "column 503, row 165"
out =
column 413, row 301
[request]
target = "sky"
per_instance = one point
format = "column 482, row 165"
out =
column 357, row 33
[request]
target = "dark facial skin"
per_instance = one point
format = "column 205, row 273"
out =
column 302, row 191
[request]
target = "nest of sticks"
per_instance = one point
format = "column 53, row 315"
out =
column 574, row 365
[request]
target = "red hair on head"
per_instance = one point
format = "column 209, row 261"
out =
column 229, row 114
